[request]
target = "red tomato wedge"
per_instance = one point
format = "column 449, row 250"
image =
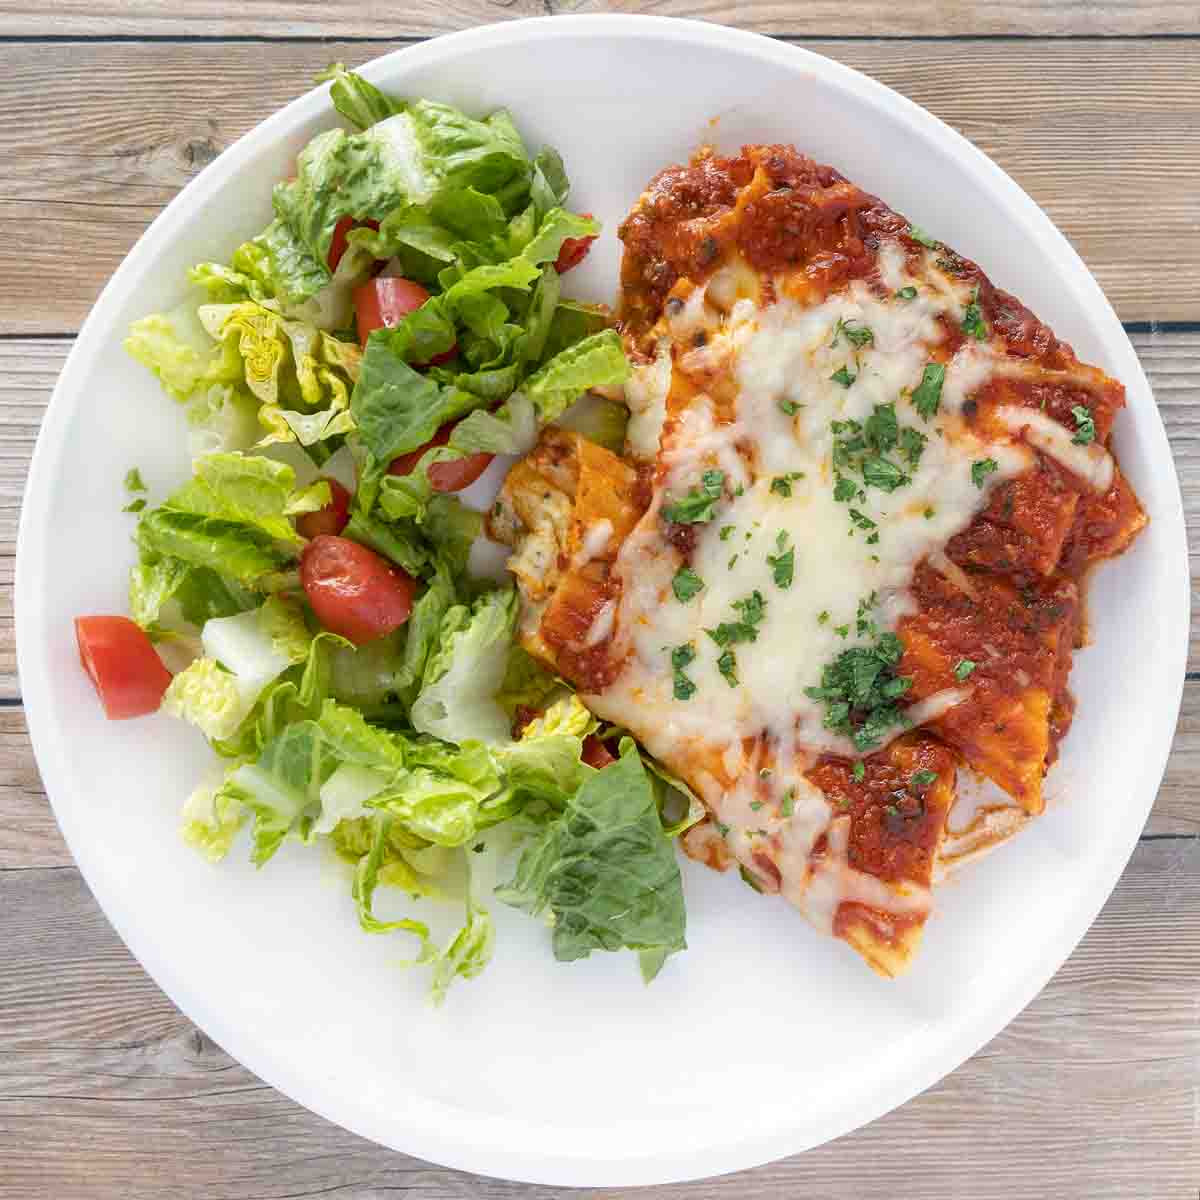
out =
column 573, row 251
column 385, row 301
column 353, row 591
column 444, row 476
column 122, row 664
column 333, row 518
column 596, row 753
column 339, row 242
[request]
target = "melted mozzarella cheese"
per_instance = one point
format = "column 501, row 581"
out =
column 1091, row 463
column 776, row 453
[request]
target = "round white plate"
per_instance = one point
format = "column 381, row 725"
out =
column 763, row 1039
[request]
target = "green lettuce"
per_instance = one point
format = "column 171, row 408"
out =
column 258, row 492
column 211, row 820
column 360, row 102
column 457, row 701
column 414, row 156
column 605, row 870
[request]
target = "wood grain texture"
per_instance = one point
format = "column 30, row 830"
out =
column 123, row 126
column 106, row 1091
column 422, row 18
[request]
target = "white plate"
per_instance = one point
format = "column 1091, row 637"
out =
column 763, row 1039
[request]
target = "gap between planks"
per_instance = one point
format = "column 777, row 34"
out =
column 123, row 126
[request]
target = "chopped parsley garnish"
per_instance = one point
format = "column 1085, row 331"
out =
column 981, row 469
column 863, row 448
column 727, row 665
column 921, row 780
column 782, row 484
column 842, row 376
column 928, row 393
column 788, row 806
column 883, row 474
column 783, row 564
column 732, row 562
column 881, row 430
column 135, row 506
column 686, row 584
column 855, row 332
column 134, row 481
column 863, row 624
column 700, row 504
column 751, row 610
column 973, row 324
column 912, row 444
column 929, row 514
column 722, row 829
column 681, row 659
column 859, row 771
column 726, row 531
column 919, row 235
column 860, row 689
column 747, row 877
column 479, row 847
column 1085, row 426
column 823, row 616
column 740, row 490
column 963, row 669
column 845, row 489
column 843, row 631
column 791, row 407
column 757, row 804
column 861, row 520
column 907, row 293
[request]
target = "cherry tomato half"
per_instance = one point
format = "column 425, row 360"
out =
column 444, row 476
column 596, row 753
column 573, row 251
column 122, row 664
column 333, row 518
column 385, row 301
column 354, row 591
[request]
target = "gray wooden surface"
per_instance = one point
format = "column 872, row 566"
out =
column 106, row 109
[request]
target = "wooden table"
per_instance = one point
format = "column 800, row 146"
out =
column 107, row 107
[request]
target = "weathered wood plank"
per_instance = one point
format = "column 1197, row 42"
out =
column 422, row 18
column 29, row 835
column 1105, row 1063
column 122, row 127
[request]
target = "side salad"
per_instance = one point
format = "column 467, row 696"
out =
column 346, row 374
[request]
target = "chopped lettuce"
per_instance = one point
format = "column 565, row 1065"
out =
column 399, row 752
column 211, row 820
column 360, row 102
column 457, row 701
column 606, row 871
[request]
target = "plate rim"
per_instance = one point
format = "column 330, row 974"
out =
column 424, row 1133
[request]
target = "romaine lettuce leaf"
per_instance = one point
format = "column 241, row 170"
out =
column 210, row 820
column 176, row 347
column 546, row 762
column 360, row 102
column 240, row 552
column 242, row 655
column 417, row 154
column 606, row 871
column 597, row 361
column 465, row 671
column 255, row 491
